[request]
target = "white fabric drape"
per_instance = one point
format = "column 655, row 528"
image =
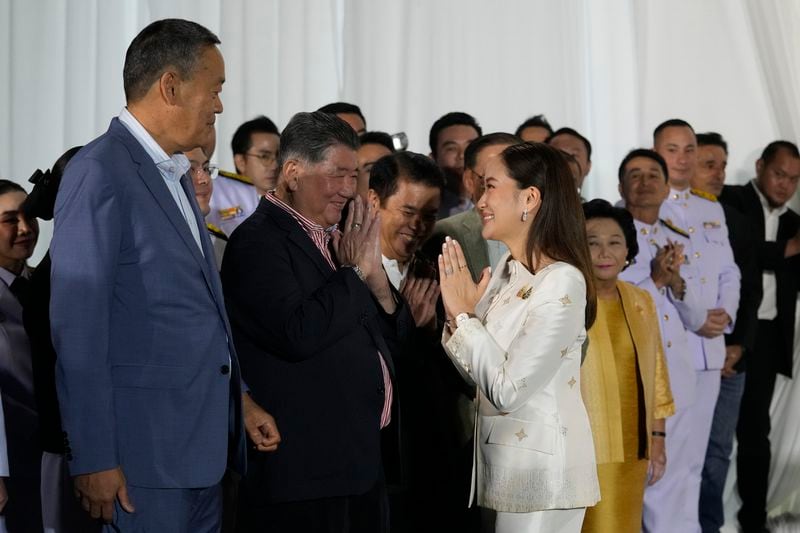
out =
column 611, row 69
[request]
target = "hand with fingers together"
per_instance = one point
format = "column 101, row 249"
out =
column 358, row 245
column 459, row 293
column 421, row 295
column 98, row 491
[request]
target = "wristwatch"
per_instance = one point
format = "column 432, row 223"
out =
column 461, row 318
column 357, row 270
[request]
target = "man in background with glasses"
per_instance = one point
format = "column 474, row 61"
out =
column 255, row 150
column 203, row 174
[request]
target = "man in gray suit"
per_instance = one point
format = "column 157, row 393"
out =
column 465, row 227
column 148, row 379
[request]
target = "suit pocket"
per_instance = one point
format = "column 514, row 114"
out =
column 151, row 376
column 536, row 435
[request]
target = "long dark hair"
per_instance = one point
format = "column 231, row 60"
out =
column 559, row 229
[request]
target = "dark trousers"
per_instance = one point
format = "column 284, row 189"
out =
column 169, row 510
column 753, row 454
column 363, row 513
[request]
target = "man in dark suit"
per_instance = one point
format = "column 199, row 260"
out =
column 148, row 380
column 310, row 307
column 763, row 202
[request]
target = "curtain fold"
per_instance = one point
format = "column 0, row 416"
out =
column 611, row 70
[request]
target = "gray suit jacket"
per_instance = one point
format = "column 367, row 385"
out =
column 466, row 229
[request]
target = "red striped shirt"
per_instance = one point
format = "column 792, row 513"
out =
column 321, row 238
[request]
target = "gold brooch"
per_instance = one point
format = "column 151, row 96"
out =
column 525, row 292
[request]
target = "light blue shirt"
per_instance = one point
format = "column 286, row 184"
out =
column 172, row 169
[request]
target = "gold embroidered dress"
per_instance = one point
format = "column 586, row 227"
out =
column 625, row 385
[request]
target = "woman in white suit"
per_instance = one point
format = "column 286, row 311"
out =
column 517, row 335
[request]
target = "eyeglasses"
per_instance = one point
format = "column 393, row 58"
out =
column 267, row 158
column 210, row 170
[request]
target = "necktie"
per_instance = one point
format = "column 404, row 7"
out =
column 21, row 289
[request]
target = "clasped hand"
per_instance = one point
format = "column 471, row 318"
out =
column 357, row 243
column 459, row 293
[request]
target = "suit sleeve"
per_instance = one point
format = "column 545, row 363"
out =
column 743, row 244
column 730, row 279
column 508, row 378
column 267, row 304
column 84, row 253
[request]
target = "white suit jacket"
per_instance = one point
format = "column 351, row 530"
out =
column 534, row 446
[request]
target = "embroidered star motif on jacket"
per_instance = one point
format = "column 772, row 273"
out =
column 521, row 434
column 565, row 300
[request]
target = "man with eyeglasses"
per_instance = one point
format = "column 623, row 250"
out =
column 203, row 173
column 255, row 155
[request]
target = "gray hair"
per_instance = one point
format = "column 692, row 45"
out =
column 308, row 136
column 175, row 43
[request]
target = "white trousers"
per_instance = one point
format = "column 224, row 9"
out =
column 671, row 505
column 552, row 521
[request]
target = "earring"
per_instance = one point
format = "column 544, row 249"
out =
column 525, row 215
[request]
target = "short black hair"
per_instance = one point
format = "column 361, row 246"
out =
column 455, row 118
column 7, row 186
column 336, row 108
column 377, row 137
column 387, row 172
column 243, row 137
column 166, row 43
column 773, row 148
column 643, row 152
column 536, row 121
column 573, row 133
column 484, row 141
column 712, row 138
column 308, row 136
column 600, row 208
column 671, row 123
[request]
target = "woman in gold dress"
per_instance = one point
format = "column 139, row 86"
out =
column 624, row 380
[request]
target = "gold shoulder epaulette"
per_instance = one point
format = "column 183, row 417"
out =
column 235, row 176
column 214, row 230
column 668, row 223
column 703, row 194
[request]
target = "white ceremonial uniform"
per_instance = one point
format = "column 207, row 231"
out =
column 233, row 199
column 534, row 461
column 718, row 281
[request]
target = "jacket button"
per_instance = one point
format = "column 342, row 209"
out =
column 224, row 369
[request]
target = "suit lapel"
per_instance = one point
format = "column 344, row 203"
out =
column 152, row 179
column 756, row 209
column 298, row 237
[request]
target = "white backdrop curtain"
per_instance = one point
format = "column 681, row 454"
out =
column 612, row 69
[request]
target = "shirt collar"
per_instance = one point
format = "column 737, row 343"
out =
column 307, row 224
column 8, row 277
column 172, row 167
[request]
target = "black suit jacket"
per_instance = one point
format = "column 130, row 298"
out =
column 771, row 258
column 744, row 242
column 308, row 339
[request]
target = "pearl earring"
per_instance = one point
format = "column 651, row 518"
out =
column 525, row 215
